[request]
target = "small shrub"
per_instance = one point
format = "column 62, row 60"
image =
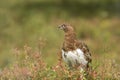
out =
column 29, row 65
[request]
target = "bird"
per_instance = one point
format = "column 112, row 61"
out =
column 74, row 52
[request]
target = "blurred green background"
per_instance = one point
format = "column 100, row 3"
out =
column 28, row 22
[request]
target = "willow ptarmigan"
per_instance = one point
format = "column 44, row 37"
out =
column 74, row 52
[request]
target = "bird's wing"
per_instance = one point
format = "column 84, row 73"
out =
column 85, row 50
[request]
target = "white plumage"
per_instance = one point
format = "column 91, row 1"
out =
column 74, row 57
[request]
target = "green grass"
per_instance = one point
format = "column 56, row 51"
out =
column 35, row 24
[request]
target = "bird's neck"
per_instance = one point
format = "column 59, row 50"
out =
column 69, row 41
column 70, row 37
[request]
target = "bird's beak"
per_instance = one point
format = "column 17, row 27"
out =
column 60, row 27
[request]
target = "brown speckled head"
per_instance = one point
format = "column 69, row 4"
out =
column 65, row 27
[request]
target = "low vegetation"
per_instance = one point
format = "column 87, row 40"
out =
column 33, row 23
column 29, row 65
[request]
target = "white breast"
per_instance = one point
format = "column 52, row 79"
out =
column 73, row 56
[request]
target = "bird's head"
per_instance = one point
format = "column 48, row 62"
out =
column 65, row 27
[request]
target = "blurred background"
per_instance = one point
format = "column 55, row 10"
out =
column 34, row 22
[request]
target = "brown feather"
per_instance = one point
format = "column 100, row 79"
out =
column 71, row 43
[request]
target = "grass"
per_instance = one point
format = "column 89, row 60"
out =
column 40, row 61
column 34, row 24
column 29, row 65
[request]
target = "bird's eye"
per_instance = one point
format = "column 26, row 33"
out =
column 63, row 26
